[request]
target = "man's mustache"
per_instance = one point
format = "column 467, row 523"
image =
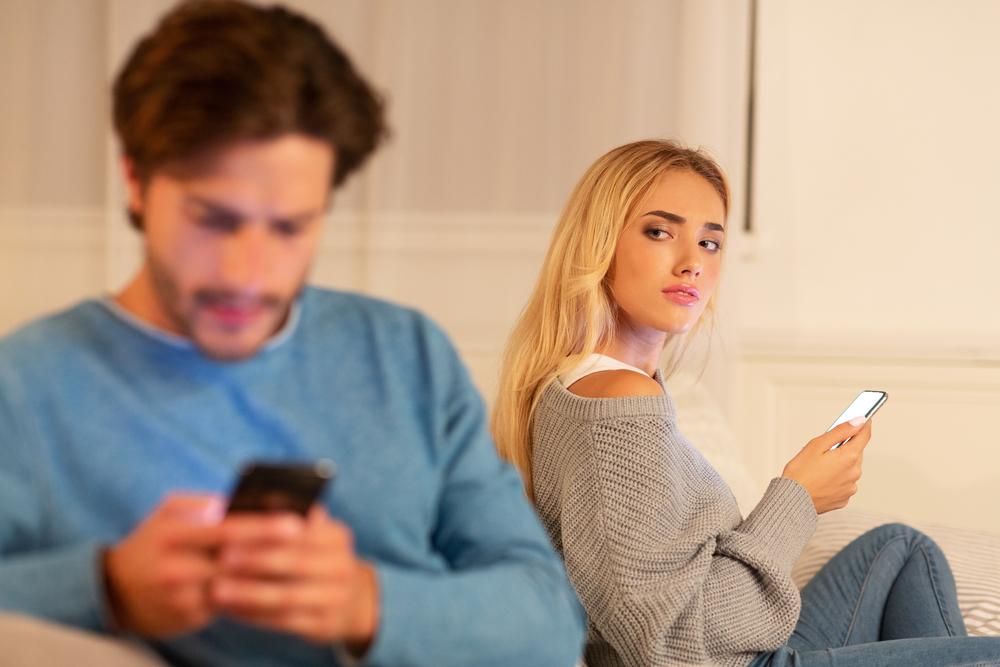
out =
column 231, row 299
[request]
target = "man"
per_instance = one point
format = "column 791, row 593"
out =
column 123, row 419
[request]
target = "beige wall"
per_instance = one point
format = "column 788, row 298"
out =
column 872, row 264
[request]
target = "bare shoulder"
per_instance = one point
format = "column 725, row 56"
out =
column 616, row 384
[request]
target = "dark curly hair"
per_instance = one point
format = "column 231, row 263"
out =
column 215, row 72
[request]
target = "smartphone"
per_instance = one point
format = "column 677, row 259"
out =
column 280, row 487
column 866, row 404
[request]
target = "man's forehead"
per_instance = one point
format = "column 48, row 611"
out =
column 285, row 156
column 285, row 177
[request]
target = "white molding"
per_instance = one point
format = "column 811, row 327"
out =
column 927, row 441
column 902, row 348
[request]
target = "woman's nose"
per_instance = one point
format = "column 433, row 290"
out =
column 690, row 267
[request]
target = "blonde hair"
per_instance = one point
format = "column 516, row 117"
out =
column 571, row 312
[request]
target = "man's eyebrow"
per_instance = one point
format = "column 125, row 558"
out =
column 214, row 207
column 221, row 209
column 673, row 217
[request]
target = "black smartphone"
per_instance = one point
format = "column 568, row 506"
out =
column 280, row 487
column 866, row 404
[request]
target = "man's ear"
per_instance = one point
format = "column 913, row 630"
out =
column 133, row 186
column 134, row 192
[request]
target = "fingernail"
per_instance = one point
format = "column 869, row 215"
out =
column 858, row 421
column 289, row 526
column 213, row 511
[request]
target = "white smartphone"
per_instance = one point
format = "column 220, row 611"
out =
column 866, row 404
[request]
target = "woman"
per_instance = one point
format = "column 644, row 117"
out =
column 667, row 569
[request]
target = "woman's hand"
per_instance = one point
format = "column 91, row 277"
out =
column 831, row 476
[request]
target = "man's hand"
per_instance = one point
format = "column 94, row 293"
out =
column 158, row 577
column 298, row 576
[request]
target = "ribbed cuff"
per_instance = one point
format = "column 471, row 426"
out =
column 402, row 596
column 784, row 520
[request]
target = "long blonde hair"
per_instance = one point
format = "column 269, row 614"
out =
column 571, row 312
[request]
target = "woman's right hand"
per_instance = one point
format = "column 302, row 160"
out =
column 831, row 476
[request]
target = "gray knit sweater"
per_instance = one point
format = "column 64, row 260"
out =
column 667, row 569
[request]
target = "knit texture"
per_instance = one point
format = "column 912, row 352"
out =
column 667, row 569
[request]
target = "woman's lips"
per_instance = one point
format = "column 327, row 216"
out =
column 681, row 298
column 684, row 295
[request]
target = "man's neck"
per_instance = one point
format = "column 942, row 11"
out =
column 140, row 300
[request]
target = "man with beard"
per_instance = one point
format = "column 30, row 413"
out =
column 124, row 420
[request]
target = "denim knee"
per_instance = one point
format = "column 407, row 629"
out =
column 889, row 531
column 912, row 537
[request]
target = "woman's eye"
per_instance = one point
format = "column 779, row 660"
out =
column 714, row 246
column 657, row 234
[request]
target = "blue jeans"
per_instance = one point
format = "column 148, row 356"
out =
column 888, row 598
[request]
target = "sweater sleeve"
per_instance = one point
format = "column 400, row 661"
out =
column 664, row 574
column 58, row 584
column 504, row 598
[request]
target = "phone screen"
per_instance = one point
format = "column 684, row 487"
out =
column 280, row 487
column 864, row 405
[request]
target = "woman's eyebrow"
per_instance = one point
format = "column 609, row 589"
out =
column 673, row 217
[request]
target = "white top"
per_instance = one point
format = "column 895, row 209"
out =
column 595, row 363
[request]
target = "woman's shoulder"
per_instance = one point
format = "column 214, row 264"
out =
column 616, row 384
column 611, row 399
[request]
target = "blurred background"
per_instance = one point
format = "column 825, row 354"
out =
column 863, row 243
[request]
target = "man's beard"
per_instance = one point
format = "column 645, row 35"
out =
column 170, row 297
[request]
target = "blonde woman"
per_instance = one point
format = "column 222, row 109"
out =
column 668, row 570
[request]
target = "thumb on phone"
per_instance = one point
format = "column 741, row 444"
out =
column 841, row 433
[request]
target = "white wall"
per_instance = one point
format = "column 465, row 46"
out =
column 875, row 263
column 53, row 119
column 878, row 163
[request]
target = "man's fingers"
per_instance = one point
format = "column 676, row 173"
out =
column 186, row 568
column 279, row 562
column 193, row 507
column 183, row 535
column 240, row 595
column 271, row 527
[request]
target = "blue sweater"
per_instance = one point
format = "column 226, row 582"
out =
column 101, row 417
